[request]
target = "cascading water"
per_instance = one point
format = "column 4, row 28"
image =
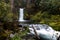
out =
column 21, row 15
column 45, row 31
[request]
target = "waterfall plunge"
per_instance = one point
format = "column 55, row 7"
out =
column 21, row 14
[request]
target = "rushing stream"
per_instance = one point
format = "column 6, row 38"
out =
column 44, row 31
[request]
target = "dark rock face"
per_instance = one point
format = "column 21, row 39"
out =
column 58, row 38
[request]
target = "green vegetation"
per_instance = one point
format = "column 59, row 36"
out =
column 40, row 11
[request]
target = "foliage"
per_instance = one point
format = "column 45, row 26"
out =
column 16, row 37
column 5, row 10
column 40, row 11
column 20, row 34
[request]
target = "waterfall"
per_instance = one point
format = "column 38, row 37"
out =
column 21, row 14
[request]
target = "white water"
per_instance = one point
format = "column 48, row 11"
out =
column 44, row 31
column 21, row 14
